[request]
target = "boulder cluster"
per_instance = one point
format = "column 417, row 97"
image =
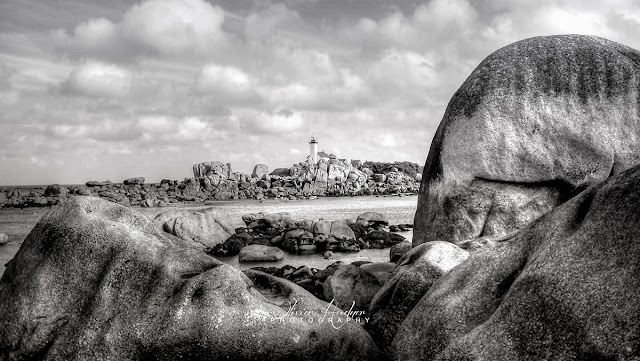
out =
column 333, row 177
column 98, row 281
column 216, row 181
column 306, row 236
column 526, row 245
column 131, row 192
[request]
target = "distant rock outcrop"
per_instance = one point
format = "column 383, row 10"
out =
column 97, row 281
column 134, row 181
column 260, row 172
column 564, row 288
column 212, row 168
column 216, row 181
column 535, row 122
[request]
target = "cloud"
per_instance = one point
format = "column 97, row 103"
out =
column 149, row 28
column 97, row 79
column 8, row 94
column 167, row 129
column 173, row 26
column 227, row 84
column 170, row 80
column 103, row 131
column 96, row 36
column 261, row 25
column 386, row 140
column 278, row 122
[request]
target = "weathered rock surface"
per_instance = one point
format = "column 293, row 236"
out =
column 216, row 181
column 260, row 171
column 54, row 190
column 340, row 230
column 207, row 227
column 134, row 181
column 397, row 251
column 97, row 281
column 535, row 121
column 351, row 287
column 371, row 218
column 260, row 253
column 564, row 288
column 415, row 273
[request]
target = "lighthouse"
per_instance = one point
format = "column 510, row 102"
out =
column 313, row 150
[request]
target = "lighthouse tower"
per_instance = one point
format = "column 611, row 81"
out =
column 313, row 150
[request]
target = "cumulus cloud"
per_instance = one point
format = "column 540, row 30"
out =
column 8, row 94
column 167, row 129
column 97, row 79
column 277, row 122
column 262, row 24
column 187, row 77
column 173, row 26
column 386, row 140
column 152, row 27
column 101, row 130
column 226, row 83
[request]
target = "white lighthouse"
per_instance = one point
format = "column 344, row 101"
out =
column 313, row 150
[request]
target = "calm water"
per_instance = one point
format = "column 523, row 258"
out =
column 17, row 223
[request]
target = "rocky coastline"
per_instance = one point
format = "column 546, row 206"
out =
column 525, row 246
column 216, row 181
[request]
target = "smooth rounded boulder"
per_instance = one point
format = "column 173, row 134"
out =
column 134, row 181
column 203, row 228
column 534, row 123
column 372, row 218
column 351, row 287
column 416, row 272
column 98, row 281
column 260, row 253
column 564, row 288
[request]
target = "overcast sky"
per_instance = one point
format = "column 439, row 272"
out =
column 93, row 89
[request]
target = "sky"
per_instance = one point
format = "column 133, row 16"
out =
column 96, row 90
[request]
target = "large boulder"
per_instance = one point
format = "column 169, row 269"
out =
column 564, row 288
column 372, row 218
column 215, row 167
column 97, row 281
column 351, row 287
column 260, row 253
column 281, row 172
column 56, row 190
column 277, row 220
column 206, row 227
column 322, row 227
column 535, row 122
column 134, row 181
column 260, row 171
column 415, row 273
column 340, row 230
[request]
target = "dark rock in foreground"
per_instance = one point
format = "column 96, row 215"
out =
column 97, row 281
column 564, row 288
column 416, row 272
column 536, row 122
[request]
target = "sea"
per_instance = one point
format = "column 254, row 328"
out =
column 17, row 223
